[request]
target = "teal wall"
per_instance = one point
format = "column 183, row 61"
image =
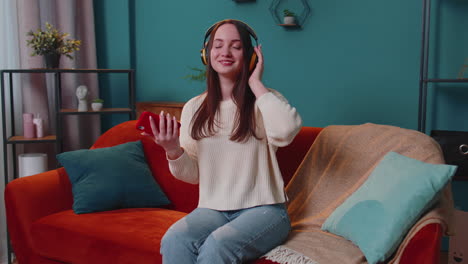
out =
column 114, row 51
column 352, row 62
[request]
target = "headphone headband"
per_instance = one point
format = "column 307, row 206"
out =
column 219, row 23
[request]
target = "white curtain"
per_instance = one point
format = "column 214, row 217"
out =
column 9, row 59
column 77, row 18
column 34, row 92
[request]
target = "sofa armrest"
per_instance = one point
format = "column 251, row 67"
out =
column 424, row 246
column 121, row 133
column 30, row 198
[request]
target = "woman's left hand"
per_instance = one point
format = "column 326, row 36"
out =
column 258, row 71
column 255, row 80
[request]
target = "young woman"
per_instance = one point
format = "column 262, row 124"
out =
column 227, row 144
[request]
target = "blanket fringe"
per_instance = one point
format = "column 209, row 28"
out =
column 284, row 255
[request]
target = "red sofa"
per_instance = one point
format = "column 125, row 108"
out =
column 44, row 229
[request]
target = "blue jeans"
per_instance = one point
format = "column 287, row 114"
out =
column 210, row 236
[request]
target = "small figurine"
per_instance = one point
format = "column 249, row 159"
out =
column 81, row 94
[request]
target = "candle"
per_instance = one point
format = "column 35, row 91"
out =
column 28, row 125
column 39, row 128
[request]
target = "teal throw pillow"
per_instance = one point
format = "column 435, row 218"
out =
column 111, row 178
column 377, row 216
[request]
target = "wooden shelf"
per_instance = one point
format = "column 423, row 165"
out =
column 21, row 139
column 299, row 18
column 91, row 112
column 289, row 25
column 173, row 108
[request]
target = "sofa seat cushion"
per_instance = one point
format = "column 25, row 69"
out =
column 119, row 236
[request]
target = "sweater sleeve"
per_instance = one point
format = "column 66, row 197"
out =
column 185, row 168
column 280, row 119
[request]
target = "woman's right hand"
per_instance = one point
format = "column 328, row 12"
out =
column 167, row 137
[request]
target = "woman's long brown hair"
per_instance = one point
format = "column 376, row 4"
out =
column 204, row 121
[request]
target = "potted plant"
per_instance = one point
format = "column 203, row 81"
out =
column 289, row 17
column 199, row 75
column 97, row 104
column 51, row 43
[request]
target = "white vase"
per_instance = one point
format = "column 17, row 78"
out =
column 96, row 106
column 289, row 20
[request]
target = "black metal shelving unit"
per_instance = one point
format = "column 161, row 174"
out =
column 11, row 138
column 424, row 79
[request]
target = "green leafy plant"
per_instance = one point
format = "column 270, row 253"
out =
column 287, row 12
column 52, row 41
column 98, row 100
column 199, row 75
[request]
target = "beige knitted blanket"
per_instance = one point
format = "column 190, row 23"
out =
column 339, row 161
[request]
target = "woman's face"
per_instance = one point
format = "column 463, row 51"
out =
column 226, row 54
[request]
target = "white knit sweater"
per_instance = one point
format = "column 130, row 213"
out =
column 235, row 175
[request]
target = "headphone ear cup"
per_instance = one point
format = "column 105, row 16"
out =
column 253, row 61
column 203, row 56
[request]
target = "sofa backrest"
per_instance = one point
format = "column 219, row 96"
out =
column 291, row 156
column 184, row 196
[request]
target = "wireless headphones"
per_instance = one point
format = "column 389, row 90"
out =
column 205, row 54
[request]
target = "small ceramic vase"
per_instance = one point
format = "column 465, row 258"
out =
column 289, row 20
column 96, row 106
